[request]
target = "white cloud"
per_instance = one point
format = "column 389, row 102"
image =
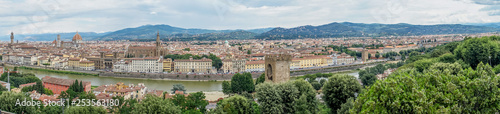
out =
column 42, row 16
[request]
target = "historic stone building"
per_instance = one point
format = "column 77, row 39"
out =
column 105, row 60
column 193, row 65
column 76, row 42
column 277, row 67
column 364, row 55
column 147, row 51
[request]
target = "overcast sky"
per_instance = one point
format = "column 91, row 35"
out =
column 49, row 16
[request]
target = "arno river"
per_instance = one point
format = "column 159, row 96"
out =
column 166, row 85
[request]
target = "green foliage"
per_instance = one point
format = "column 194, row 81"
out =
column 433, row 91
column 338, row 89
column 316, row 85
column 51, row 110
column 368, row 79
column 84, row 110
column 344, row 108
column 420, row 65
column 76, row 86
column 226, row 87
column 269, row 98
column 186, row 49
column 289, row 93
column 48, row 91
column 476, row 50
column 249, row 52
column 178, row 87
column 8, row 103
column 17, row 79
column 178, row 100
column 235, row 105
column 242, row 82
column 260, row 79
column 497, row 69
column 284, row 97
column 196, row 101
column 155, row 105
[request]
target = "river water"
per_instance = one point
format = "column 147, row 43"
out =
column 165, row 85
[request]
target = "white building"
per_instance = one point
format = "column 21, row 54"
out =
column 344, row 59
column 147, row 65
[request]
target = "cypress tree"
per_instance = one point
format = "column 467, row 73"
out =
column 81, row 87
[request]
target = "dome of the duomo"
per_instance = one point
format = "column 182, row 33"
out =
column 77, row 37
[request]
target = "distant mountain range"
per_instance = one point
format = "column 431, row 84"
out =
column 345, row 29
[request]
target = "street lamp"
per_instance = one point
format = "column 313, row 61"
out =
column 490, row 59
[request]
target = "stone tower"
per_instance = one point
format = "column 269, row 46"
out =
column 364, row 55
column 12, row 38
column 58, row 42
column 158, row 44
column 277, row 67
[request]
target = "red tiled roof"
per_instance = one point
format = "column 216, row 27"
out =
column 59, row 81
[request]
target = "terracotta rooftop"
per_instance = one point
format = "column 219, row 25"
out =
column 60, row 81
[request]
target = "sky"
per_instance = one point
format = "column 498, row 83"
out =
column 55, row 16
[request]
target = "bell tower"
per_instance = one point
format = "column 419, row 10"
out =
column 11, row 37
column 158, row 44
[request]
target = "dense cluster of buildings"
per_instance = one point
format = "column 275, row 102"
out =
column 236, row 55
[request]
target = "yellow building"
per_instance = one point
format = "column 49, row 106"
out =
column 251, row 66
column 86, row 65
column 73, row 63
column 193, row 66
column 167, row 65
column 312, row 61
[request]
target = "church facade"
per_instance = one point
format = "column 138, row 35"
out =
column 146, row 51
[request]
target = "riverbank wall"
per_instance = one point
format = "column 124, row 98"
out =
column 197, row 77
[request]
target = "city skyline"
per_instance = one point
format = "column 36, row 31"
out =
column 54, row 16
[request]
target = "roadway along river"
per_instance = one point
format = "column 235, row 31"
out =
column 166, row 85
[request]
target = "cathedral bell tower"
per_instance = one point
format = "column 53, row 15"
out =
column 158, row 44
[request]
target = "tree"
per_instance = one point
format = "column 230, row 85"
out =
column 476, row 50
column 338, row 89
column 344, row 108
column 261, row 79
column 187, row 49
column 322, row 82
column 249, row 52
column 234, row 105
column 8, row 103
column 301, row 106
column 196, row 101
column 39, row 87
column 226, row 87
column 269, row 99
column 155, row 105
column 178, row 87
column 51, row 110
column 420, row 65
column 85, row 110
column 289, row 93
column 433, row 91
column 242, row 82
column 316, row 85
column 377, row 55
column 178, row 100
column 403, row 57
column 368, row 79
column 306, row 89
column 2, row 89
